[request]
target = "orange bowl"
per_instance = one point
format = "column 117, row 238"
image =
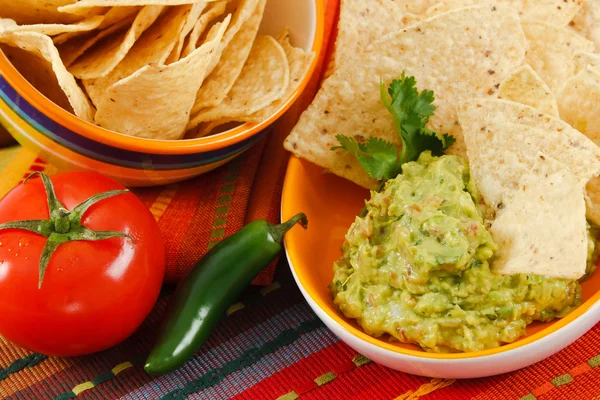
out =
column 67, row 141
column 331, row 204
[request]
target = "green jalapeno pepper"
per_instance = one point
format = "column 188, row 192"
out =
column 214, row 283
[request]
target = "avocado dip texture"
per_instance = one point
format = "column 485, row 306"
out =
column 416, row 267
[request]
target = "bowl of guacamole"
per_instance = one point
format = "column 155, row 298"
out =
column 416, row 267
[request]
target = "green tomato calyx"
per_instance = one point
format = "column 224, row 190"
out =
column 64, row 225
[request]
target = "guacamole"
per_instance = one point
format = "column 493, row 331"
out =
column 416, row 267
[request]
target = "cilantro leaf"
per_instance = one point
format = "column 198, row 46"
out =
column 410, row 111
column 378, row 157
column 430, row 140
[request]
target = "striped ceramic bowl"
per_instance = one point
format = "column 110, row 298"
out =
column 66, row 141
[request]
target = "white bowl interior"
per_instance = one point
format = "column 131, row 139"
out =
column 299, row 16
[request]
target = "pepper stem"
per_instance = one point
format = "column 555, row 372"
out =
column 279, row 231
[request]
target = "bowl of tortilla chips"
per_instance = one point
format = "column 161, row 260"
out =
column 516, row 84
column 151, row 92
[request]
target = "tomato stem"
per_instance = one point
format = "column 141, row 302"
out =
column 64, row 225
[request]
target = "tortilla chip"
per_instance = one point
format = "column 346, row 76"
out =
column 542, row 228
column 85, row 25
column 552, row 51
column 579, row 104
column 65, row 37
column 362, row 22
column 553, row 12
column 6, row 23
column 582, row 60
column 299, row 64
column 526, row 87
column 82, row 7
column 592, row 191
column 193, row 17
column 501, row 136
column 113, row 15
column 155, row 102
column 210, row 128
column 459, row 55
column 236, row 47
column 42, row 46
column 99, row 61
column 215, row 10
column 415, row 7
column 38, row 71
column 74, row 48
column 587, row 22
column 153, row 47
column 263, row 80
column 36, row 11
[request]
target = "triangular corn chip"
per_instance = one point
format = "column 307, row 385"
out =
column 263, row 80
column 552, row 52
column 526, row 87
column 102, row 59
column 542, row 228
column 170, row 89
column 42, row 46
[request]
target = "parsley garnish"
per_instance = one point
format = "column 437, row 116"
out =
column 411, row 111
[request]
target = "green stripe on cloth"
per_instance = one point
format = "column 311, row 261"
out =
column 99, row 379
column 22, row 363
column 214, row 376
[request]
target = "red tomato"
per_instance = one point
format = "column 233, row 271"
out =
column 94, row 294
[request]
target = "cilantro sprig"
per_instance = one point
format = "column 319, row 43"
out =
column 410, row 111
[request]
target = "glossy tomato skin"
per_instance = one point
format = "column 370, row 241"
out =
column 94, row 294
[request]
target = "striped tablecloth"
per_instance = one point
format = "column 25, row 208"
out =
column 271, row 345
